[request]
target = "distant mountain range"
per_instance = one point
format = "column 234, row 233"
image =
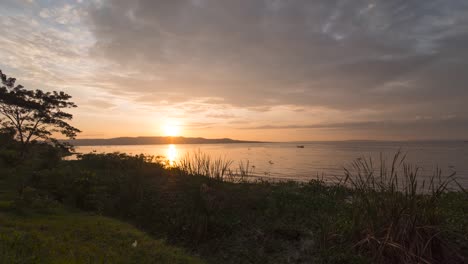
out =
column 153, row 141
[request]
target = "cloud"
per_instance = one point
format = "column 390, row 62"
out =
column 256, row 53
column 65, row 15
column 334, row 62
column 221, row 116
column 98, row 103
column 424, row 121
column 448, row 127
column 46, row 55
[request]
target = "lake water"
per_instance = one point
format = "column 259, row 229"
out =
column 324, row 159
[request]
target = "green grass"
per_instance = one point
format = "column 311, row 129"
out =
column 47, row 232
column 76, row 237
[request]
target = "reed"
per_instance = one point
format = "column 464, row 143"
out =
column 395, row 216
column 219, row 168
column 199, row 163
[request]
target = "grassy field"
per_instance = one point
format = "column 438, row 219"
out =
column 39, row 233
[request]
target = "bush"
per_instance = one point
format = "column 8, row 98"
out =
column 32, row 199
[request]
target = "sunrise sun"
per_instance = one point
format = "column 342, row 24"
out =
column 171, row 130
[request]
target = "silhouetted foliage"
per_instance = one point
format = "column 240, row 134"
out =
column 284, row 222
column 8, row 146
column 7, row 136
column 34, row 114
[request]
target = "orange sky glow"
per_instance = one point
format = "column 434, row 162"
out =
column 253, row 70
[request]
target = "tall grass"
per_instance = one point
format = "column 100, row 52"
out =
column 395, row 213
column 219, row 168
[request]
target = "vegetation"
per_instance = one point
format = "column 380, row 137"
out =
column 397, row 218
column 34, row 227
column 34, row 115
column 366, row 219
column 65, row 211
column 67, row 236
column 199, row 163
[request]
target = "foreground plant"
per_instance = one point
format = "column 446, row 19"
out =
column 396, row 216
column 202, row 164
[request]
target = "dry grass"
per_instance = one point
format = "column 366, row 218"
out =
column 395, row 215
column 219, row 168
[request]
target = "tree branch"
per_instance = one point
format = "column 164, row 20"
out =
column 33, row 130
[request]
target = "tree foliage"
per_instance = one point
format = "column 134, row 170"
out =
column 35, row 114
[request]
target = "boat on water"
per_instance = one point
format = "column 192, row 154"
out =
column 300, row 146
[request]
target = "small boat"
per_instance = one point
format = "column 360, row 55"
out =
column 300, row 146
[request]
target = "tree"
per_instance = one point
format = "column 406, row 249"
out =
column 34, row 114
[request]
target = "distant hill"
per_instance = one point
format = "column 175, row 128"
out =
column 153, row 141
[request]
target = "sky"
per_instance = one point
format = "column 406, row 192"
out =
column 276, row 70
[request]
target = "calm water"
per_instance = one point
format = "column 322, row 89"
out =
column 327, row 159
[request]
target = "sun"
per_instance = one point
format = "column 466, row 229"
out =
column 171, row 130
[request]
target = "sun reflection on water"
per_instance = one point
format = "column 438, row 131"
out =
column 172, row 154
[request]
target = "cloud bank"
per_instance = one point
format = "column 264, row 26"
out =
column 268, row 64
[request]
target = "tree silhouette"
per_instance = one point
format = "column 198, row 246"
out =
column 34, row 114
